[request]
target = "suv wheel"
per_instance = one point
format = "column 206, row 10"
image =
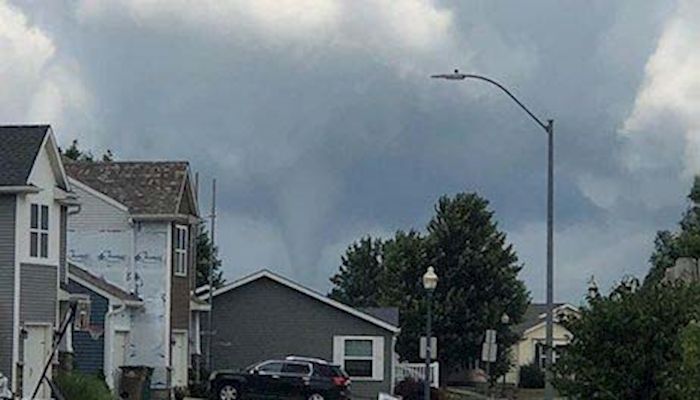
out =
column 316, row 396
column 228, row 391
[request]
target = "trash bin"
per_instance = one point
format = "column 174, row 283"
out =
column 135, row 383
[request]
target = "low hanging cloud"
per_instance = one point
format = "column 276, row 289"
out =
column 36, row 86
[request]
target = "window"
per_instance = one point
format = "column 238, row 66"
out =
column 296, row 369
column 541, row 355
column 181, row 250
column 362, row 357
column 269, row 368
column 39, row 231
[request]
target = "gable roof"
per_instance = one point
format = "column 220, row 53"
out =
column 536, row 314
column 306, row 291
column 101, row 286
column 145, row 187
column 386, row 314
column 19, row 147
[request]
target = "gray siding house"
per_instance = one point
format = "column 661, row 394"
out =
column 34, row 198
column 265, row 316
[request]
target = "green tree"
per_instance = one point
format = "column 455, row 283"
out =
column 629, row 345
column 478, row 281
column 359, row 279
column 207, row 255
column 74, row 153
column 669, row 246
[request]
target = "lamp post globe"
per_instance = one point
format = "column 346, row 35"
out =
column 505, row 319
column 430, row 279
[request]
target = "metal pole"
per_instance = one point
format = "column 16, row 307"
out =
column 549, row 339
column 428, row 355
column 212, row 260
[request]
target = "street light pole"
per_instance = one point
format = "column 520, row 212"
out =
column 430, row 280
column 549, row 129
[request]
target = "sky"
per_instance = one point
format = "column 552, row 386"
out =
column 320, row 124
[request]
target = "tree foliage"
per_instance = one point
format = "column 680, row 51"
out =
column 207, row 255
column 74, row 153
column 669, row 246
column 629, row 344
column 478, row 273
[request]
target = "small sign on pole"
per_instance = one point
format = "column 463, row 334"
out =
column 433, row 348
column 489, row 352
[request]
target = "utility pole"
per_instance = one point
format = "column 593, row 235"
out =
column 212, row 260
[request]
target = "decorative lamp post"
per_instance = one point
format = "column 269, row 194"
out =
column 430, row 280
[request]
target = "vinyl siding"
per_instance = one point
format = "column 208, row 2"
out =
column 264, row 320
column 38, row 293
column 62, row 244
column 96, row 214
column 88, row 348
column 7, row 280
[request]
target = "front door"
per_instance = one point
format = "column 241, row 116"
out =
column 180, row 358
column 121, row 340
column 37, row 351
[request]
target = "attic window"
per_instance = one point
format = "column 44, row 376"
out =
column 39, row 231
column 181, row 250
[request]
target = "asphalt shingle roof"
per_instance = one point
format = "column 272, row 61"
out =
column 101, row 284
column 146, row 187
column 19, row 146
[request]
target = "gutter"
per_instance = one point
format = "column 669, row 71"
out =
column 20, row 189
column 108, row 353
column 167, row 217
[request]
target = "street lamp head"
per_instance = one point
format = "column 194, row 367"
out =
column 430, row 279
column 456, row 76
column 505, row 319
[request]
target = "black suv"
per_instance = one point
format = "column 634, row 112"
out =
column 295, row 378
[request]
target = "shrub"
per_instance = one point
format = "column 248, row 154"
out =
column 77, row 386
column 531, row 376
column 411, row 389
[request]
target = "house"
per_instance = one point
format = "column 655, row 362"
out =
column 34, row 199
column 135, row 231
column 266, row 316
column 532, row 331
column 97, row 299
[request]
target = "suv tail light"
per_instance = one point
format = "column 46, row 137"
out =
column 341, row 381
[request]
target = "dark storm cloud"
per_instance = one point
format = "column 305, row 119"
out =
column 323, row 126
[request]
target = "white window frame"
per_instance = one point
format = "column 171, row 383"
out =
column 181, row 247
column 42, row 233
column 377, row 356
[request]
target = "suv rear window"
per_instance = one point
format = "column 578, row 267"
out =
column 323, row 370
column 296, row 369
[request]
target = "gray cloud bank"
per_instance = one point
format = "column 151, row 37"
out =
column 319, row 122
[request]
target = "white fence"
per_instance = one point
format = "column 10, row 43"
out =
column 417, row 372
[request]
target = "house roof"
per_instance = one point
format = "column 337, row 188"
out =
column 536, row 314
column 145, row 187
column 308, row 292
column 101, row 286
column 386, row 314
column 20, row 146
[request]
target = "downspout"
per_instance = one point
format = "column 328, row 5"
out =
column 109, row 373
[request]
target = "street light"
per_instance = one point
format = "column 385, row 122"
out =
column 549, row 129
column 430, row 280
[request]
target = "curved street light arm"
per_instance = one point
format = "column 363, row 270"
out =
column 459, row 76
